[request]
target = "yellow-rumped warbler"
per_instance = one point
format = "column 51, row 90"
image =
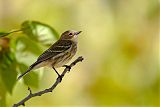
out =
column 58, row 54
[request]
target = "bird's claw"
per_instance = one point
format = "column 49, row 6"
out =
column 67, row 66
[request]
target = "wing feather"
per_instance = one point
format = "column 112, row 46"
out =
column 55, row 49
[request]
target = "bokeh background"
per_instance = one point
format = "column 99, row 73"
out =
column 120, row 44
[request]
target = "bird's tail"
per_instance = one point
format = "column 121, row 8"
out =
column 24, row 74
column 30, row 68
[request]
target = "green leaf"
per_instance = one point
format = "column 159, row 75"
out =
column 2, row 94
column 8, row 70
column 31, row 79
column 24, row 44
column 39, row 32
column 3, row 101
column 2, row 34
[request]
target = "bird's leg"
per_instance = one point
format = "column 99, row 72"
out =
column 67, row 66
column 59, row 76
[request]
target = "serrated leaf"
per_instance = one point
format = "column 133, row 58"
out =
column 40, row 32
column 8, row 70
column 2, row 34
column 31, row 79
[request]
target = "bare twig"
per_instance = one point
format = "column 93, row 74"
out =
column 58, row 80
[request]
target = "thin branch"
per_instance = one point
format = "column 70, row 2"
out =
column 58, row 80
column 8, row 33
column 13, row 31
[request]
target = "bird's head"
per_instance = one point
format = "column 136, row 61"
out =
column 70, row 35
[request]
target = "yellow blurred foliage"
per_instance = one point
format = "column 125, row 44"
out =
column 120, row 44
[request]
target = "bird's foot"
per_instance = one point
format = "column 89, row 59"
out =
column 67, row 66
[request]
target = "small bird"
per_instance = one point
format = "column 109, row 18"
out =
column 58, row 54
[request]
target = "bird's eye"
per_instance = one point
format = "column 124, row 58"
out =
column 70, row 34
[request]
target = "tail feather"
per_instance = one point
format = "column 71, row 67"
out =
column 30, row 68
column 23, row 74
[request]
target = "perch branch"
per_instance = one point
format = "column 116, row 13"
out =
column 58, row 80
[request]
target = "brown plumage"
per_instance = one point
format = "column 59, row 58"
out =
column 58, row 54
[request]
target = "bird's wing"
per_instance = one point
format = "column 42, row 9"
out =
column 55, row 49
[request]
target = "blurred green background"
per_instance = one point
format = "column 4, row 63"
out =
column 120, row 44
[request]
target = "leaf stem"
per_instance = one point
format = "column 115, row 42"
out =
column 7, row 33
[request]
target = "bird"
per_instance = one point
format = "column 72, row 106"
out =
column 58, row 54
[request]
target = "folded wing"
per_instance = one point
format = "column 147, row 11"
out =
column 55, row 49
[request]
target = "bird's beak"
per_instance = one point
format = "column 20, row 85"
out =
column 78, row 32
